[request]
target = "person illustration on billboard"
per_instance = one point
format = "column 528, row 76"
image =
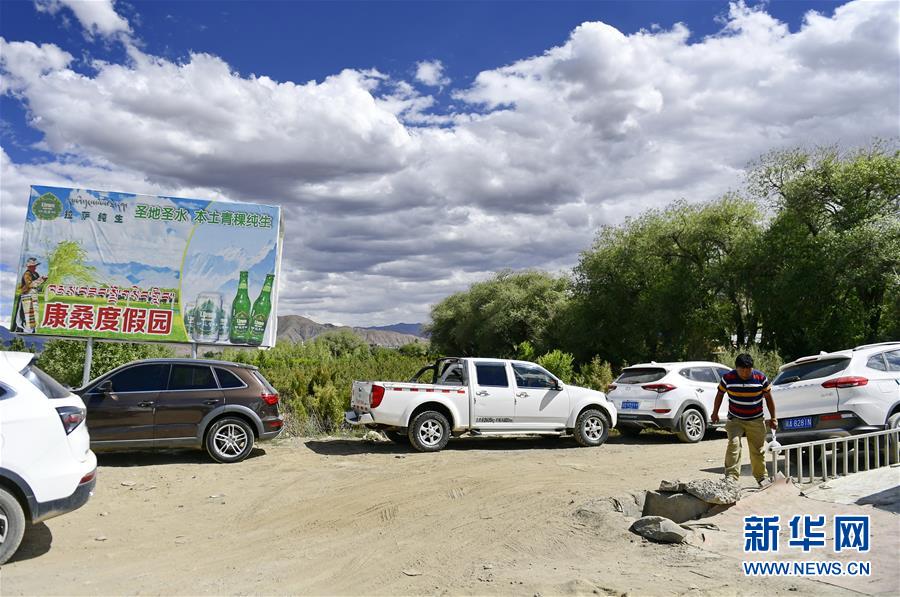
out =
column 26, row 310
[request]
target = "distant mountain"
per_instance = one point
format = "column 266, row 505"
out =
column 33, row 342
column 414, row 329
column 295, row 328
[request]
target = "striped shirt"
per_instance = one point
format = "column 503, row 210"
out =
column 745, row 396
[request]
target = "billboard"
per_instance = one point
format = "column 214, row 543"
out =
column 148, row 268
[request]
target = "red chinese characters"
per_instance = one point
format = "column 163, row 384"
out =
column 55, row 315
column 130, row 320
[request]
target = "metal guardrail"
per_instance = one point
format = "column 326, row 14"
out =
column 825, row 459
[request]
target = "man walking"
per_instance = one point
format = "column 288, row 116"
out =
column 746, row 388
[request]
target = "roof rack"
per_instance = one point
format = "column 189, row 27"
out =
column 890, row 343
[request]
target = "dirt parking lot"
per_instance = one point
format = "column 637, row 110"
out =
column 340, row 516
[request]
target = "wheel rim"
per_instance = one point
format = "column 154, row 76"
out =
column 693, row 425
column 230, row 439
column 4, row 526
column 431, row 432
column 593, row 428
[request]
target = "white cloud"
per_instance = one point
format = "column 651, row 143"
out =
column 388, row 207
column 431, row 73
column 98, row 17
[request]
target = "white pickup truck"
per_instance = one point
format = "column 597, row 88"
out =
column 480, row 397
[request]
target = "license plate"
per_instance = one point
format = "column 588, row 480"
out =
column 630, row 404
column 798, row 423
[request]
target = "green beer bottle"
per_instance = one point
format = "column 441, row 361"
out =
column 259, row 317
column 240, row 313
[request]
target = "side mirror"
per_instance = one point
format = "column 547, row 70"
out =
column 556, row 385
column 106, row 388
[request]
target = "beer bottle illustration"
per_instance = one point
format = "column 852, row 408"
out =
column 222, row 324
column 240, row 313
column 188, row 316
column 259, row 317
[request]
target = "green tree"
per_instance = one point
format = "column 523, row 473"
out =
column 832, row 251
column 493, row 317
column 559, row 363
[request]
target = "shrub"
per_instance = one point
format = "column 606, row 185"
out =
column 596, row 375
column 767, row 361
column 558, row 363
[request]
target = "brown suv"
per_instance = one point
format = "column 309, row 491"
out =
column 176, row 403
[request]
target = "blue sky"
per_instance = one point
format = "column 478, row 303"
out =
column 416, row 147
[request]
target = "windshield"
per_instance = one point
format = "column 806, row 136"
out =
column 43, row 382
column 811, row 370
column 641, row 375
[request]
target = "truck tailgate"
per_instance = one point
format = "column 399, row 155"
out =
column 359, row 396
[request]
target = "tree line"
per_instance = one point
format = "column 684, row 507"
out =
column 805, row 257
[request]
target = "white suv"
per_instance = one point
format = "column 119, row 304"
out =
column 836, row 394
column 46, row 465
column 674, row 396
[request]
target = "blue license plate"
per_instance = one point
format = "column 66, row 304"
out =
column 798, row 423
column 630, row 404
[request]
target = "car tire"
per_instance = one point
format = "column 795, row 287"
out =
column 693, row 426
column 429, row 431
column 398, row 437
column 12, row 525
column 591, row 428
column 229, row 439
column 629, row 430
column 893, row 421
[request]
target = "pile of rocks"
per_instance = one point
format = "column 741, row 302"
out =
column 677, row 502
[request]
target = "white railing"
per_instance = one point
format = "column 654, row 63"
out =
column 828, row 458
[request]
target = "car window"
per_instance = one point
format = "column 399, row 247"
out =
column 4, row 392
column 877, row 362
column 893, row 360
column 811, row 370
column 532, row 376
column 43, row 382
column 141, row 378
column 704, row 374
column 492, row 374
column 228, row 380
column 720, row 372
column 641, row 375
column 192, row 377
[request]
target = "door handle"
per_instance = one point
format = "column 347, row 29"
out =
column 522, row 395
column 213, row 401
column 481, row 393
column 700, row 389
column 145, row 404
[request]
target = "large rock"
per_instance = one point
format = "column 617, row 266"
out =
column 679, row 507
column 714, row 491
column 671, row 486
column 630, row 504
column 657, row 528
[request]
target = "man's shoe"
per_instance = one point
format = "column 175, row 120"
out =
column 764, row 482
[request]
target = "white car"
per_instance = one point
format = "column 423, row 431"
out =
column 46, row 465
column 673, row 396
column 836, row 394
column 480, row 397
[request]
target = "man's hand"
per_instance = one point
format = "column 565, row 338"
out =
column 714, row 418
column 773, row 423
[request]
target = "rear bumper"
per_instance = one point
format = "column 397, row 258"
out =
column 44, row 510
column 644, row 421
column 272, row 428
column 848, row 425
column 354, row 418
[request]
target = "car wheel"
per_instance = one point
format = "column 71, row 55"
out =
column 229, row 440
column 693, row 426
column 629, row 430
column 398, row 437
column 12, row 525
column 893, row 421
column 429, row 431
column 591, row 428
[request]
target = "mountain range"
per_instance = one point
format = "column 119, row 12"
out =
column 295, row 328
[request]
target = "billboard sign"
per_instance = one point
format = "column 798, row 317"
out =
column 148, row 268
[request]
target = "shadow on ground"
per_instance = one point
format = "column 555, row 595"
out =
column 162, row 457
column 36, row 543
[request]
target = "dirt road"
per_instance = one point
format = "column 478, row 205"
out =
column 485, row 516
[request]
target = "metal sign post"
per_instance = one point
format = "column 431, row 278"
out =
column 88, row 356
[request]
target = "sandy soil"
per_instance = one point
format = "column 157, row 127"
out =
column 338, row 516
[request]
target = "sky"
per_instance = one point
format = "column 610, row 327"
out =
column 418, row 147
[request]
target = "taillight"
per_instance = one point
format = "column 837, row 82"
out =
column 71, row 417
column 376, row 396
column 659, row 388
column 846, row 382
column 88, row 477
column 270, row 399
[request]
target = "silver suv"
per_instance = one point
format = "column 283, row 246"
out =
column 836, row 394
